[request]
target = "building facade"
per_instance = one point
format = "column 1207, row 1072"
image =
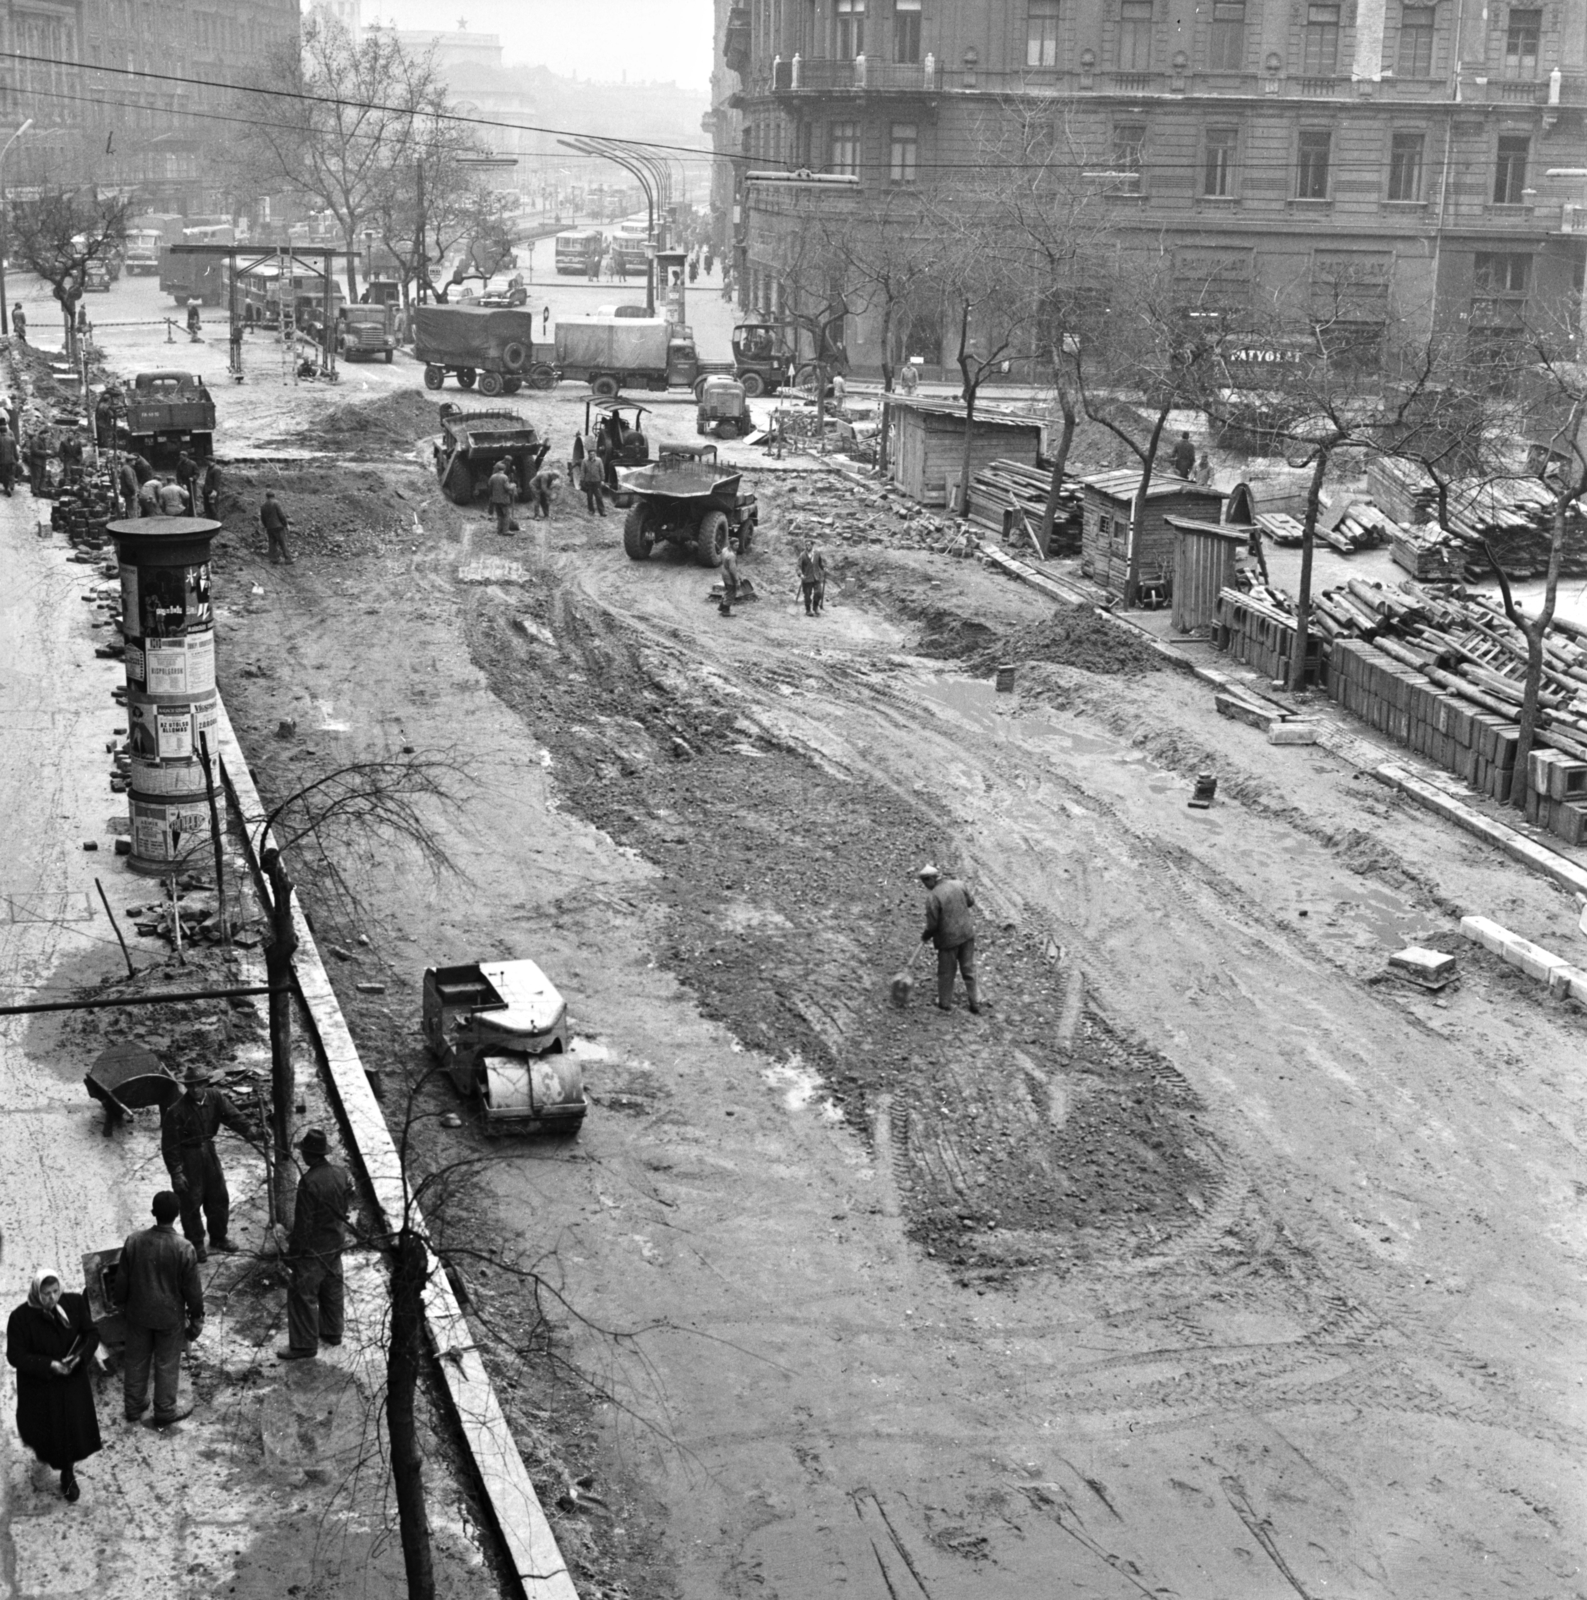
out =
column 96, row 78
column 1406, row 143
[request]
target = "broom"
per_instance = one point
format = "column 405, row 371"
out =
column 903, row 979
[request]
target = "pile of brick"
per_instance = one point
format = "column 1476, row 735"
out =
column 1256, row 631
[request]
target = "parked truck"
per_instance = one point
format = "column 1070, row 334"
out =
column 615, row 353
column 368, row 331
column 493, row 347
column 168, row 412
column 143, row 252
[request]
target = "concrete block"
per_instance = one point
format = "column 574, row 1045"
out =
column 1240, row 709
column 1570, row 821
column 1292, row 733
column 1568, row 983
column 1532, row 959
column 1432, row 969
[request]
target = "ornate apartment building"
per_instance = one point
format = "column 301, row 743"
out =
column 96, row 78
column 1435, row 147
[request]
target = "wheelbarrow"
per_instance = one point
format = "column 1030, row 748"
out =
column 127, row 1078
column 99, row 1269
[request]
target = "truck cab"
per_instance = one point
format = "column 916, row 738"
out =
column 683, row 362
column 499, row 1030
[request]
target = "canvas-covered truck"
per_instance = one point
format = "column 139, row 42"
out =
column 499, row 1030
column 616, row 353
column 168, row 412
column 490, row 346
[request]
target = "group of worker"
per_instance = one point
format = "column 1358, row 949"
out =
column 505, row 491
column 147, row 493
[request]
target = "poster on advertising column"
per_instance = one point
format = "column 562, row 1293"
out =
column 180, row 666
column 179, row 729
column 168, row 830
column 168, row 601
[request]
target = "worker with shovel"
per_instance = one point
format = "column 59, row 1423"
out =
column 950, row 928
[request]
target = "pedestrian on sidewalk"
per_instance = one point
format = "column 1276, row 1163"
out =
column 315, row 1304
column 10, row 458
column 592, row 477
column 274, row 522
column 187, row 1142
column 813, row 577
column 501, row 498
column 157, row 1286
column 950, row 927
column 19, row 323
column 50, row 1341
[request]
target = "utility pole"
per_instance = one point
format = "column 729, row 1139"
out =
column 280, row 949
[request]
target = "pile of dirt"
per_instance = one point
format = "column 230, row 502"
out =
column 393, row 422
column 1071, row 637
column 340, row 511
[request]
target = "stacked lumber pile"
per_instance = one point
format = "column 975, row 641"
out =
column 1515, row 518
column 1427, row 554
column 1443, row 676
column 1356, row 527
column 1010, row 486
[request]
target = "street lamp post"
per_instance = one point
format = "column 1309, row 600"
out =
column 5, row 220
column 630, row 165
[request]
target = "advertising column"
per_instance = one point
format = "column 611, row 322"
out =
column 671, row 273
column 169, row 624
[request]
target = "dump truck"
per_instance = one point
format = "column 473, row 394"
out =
column 499, row 1030
column 615, row 353
column 493, row 347
column 685, row 498
column 168, row 412
column 368, row 331
column 471, row 444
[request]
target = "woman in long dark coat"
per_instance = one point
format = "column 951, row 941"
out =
column 50, row 1342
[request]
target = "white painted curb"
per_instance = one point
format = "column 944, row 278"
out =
column 519, row 1515
column 1562, row 978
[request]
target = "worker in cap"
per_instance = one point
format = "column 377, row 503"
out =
column 315, row 1299
column 950, row 927
column 187, row 1142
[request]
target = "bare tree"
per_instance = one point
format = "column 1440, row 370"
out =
column 345, row 113
column 61, row 236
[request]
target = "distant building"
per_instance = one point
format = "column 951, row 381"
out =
column 724, row 122
column 1399, row 143
column 75, row 68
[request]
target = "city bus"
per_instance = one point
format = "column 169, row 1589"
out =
column 575, row 247
column 631, row 246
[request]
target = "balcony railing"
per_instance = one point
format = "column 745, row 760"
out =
column 1319, row 88
column 820, row 75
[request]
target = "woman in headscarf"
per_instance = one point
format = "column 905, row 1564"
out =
column 51, row 1341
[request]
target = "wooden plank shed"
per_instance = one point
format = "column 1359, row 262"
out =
column 928, row 444
column 1204, row 565
column 1105, row 554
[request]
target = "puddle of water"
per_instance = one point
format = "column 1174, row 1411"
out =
column 979, row 700
column 798, row 1088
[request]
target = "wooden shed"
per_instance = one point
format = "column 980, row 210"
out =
column 928, row 444
column 1105, row 553
column 1204, row 566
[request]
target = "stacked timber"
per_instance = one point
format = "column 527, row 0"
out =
column 1008, row 496
column 1514, row 518
column 1427, row 554
column 1444, row 676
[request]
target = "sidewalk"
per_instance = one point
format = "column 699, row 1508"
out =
column 278, row 1479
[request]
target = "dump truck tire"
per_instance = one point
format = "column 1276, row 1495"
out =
column 459, row 484
column 754, row 384
column 512, row 385
column 434, row 377
column 515, row 355
column 711, row 540
column 466, row 377
column 604, row 387
column 638, row 540
column 542, row 376
column 746, row 535
column 727, row 428
column 490, row 384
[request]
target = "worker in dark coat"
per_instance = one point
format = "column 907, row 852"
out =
column 501, row 497
column 274, row 522
column 950, row 928
column 315, row 1311
column 38, row 460
column 592, row 477
column 187, row 1142
column 1184, row 456
column 51, row 1341
column 813, row 577
column 127, row 482
column 71, row 454
column 211, row 490
column 729, row 578
column 187, row 476
column 10, row 459
column 156, row 1284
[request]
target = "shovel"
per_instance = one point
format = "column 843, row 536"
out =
column 904, row 979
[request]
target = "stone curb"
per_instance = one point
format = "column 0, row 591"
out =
column 520, row 1519
column 1564, row 980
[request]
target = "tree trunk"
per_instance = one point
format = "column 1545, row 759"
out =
column 1308, row 547
column 279, row 951
column 350, row 239
column 403, row 1356
column 1132, row 581
column 887, row 389
column 1060, row 460
column 969, row 388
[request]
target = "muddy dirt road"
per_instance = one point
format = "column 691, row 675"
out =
column 1202, row 1264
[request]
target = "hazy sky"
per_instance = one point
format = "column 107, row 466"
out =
column 654, row 39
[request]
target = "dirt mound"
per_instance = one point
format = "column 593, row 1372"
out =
column 340, row 512
column 391, row 422
column 1069, row 638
